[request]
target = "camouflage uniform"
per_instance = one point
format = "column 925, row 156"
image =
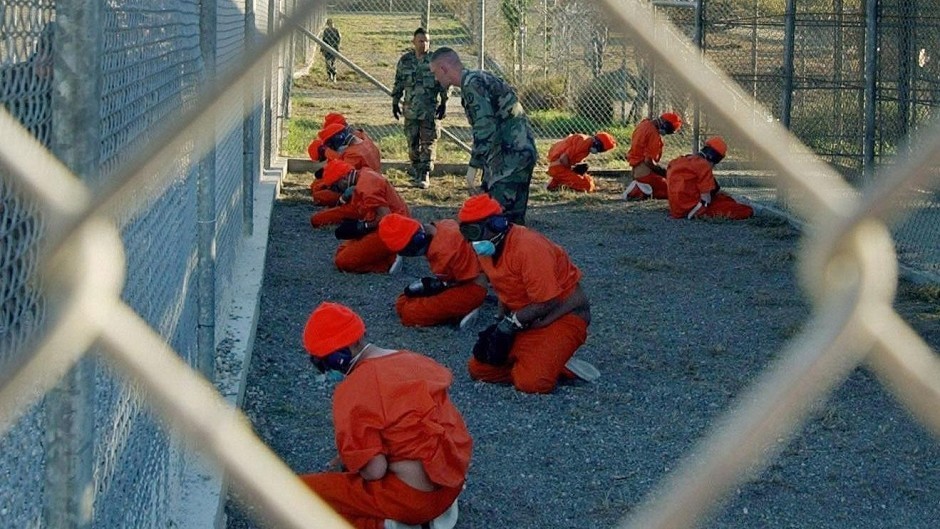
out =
column 332, row 37
column 502, row 140
column 416, row 87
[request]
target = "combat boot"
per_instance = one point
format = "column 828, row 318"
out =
column 423, row 180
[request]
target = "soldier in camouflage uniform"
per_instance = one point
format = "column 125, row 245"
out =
column 424, row 100
column 332, row 37
column 503, row 146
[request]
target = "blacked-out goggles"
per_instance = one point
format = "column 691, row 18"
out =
column 473, row 231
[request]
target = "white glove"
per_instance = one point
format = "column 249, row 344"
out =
column 473, row 176
column 706, row 198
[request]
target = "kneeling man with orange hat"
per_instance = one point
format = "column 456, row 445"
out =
column 403, row 444
column 544, row 312
column 693, row 191
column 456, row 290
column 565, row 160
column 371, row 197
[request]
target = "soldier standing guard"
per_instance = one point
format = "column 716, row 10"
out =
column 425, row 102
column 332, row 37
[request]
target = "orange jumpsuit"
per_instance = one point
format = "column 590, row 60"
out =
column 532, row 269
column 451, row 259
column 691, row 175
column 398, row 406
column 575, row 148
column 369, row 254
column 358, row 155
column 646, row 145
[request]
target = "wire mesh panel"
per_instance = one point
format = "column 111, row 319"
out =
column 26, row 93
column 152, row 69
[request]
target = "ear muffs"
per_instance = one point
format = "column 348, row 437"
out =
column 498, row 223
column 416, row 245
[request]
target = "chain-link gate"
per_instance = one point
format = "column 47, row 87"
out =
column 173, row 189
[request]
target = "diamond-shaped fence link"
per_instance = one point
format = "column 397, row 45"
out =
column 131, row 259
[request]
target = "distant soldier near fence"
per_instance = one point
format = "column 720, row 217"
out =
column 423, row 102
column 331, row 36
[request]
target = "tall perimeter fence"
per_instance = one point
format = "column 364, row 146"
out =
column 163, row 114
column 104, row 86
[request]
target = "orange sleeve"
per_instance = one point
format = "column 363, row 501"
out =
column 688, row 177
column 398, row 405
column 450, row 256
column 532, row 269
column 363, row 154
column 645, row 144
column 576, row 146
column 358, row 422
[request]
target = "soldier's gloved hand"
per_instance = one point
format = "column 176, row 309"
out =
column 396, row 110
column 441, row 110
column 658, row 169
column 580, row 168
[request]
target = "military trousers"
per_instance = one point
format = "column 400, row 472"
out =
column 512, row 193
column 422, row 136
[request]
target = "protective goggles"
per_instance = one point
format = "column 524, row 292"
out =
column 337, row 361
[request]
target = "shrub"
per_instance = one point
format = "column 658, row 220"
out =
column 544, row 94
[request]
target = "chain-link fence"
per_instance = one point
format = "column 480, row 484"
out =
column 850, row 99
column 125, row 71
column 163, row 164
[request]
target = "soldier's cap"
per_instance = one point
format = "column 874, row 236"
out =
column 330, row 130
column 396, row 231
column 479, row 207
column 334, row 170
column 331, row 327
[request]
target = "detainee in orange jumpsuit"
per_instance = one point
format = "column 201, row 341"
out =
column 458, row 287
column 403, row 444
column 646, row 149
column 338, row 140
column 693, row 191
column 373, row 197
column 564, row 160
column 539, row 291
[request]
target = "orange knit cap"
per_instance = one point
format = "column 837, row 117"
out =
column 313, row 150
column 397, row 230
column 717, row 143
column 330, row 130
column 334, row 170
column 606, row 140
column 479, row 207
column 334, row 117
column 673, row 119
column 331, row 327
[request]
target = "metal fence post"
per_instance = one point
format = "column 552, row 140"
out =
column 871, row 68
column 249, row 125
column 482, row 36
column 205, row 207
column 76, row 140
column 786, row 102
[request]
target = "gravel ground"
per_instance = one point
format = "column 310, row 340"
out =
column 685, row 316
